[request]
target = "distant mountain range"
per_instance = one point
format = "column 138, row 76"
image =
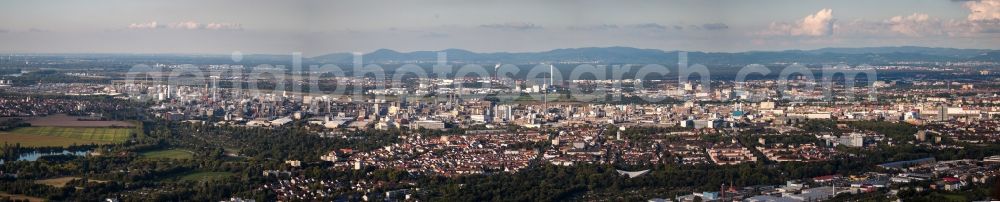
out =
column 873, row 55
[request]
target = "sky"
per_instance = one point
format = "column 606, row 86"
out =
column 321, row 27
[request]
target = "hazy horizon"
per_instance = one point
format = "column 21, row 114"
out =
column 317, row 27
column 307, row 55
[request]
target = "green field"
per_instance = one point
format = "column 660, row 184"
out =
column 169, row 154
column 206, row 176
column 52, row 136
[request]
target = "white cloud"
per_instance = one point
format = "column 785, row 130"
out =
column 920, row 25
column 917, row 24
column 818, row 24
column 224, row 26
column 146, row 25
column 187, row 25
column 983, row 10
column 973, row 27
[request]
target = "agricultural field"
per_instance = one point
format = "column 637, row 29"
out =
column 169, row 154
column 62, row 181
column 62, row 120
column 56, row 182
column 52, row 136
column 20, row 197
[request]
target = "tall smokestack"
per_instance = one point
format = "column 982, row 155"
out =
column 551, row 75
column 496, row 71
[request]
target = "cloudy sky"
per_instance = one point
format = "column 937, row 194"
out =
column 320, row 27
